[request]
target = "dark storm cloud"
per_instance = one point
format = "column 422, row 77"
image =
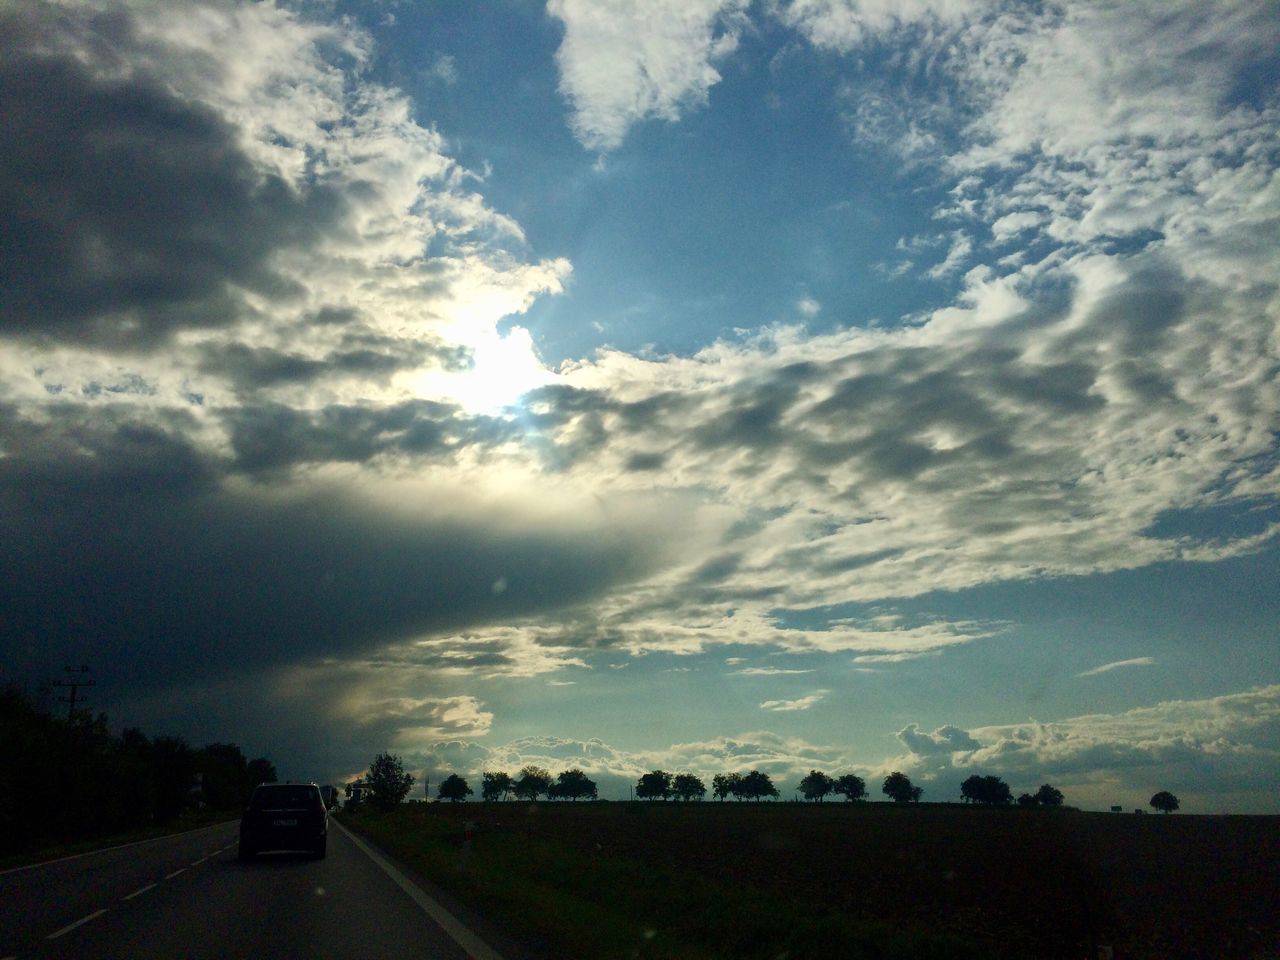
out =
column 943, row 741
column 54, row 463
column 274, row 437
column 1063, row 386
column 370, row 359
column 857, row 561
column 559, row 404
column 754, row 421
column 128, row 213
column 642, row 462
column 935, row 417
column 717, row 568
column 119, row 544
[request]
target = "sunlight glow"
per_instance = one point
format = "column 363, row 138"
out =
column 503, row 369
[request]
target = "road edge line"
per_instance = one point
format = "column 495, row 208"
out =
column 457, row 931
column 118, row 846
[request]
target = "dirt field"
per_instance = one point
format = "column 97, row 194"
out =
column 1025, row 883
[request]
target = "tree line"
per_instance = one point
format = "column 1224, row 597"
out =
column 66, row 779
column 389, row 784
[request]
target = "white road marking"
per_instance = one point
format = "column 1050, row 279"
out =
column 175, row 873
column 196, row 863
column 476, row 948
column 71, row 926
column 139, row 892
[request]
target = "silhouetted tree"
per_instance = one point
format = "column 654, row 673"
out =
column 532, row 782
column 135, row 791
column 655, row 784
column 575, row 785
column 897, row 786
column 851, row 785
column 387, row 781
column 224, row 771
column 260, row 770
column 454, row 789
column 495, row 786
column 816, row 785
column 1165, row 802
column 726, row 785
column 1027, row 800
column 987, row 790
column 757, row 785
column 174, row 765
column 688, row 787
column 1049, row 796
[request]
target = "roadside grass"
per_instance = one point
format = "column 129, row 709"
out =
column 190, row 820
column 586, row 900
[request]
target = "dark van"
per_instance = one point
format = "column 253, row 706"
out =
column 284, row 816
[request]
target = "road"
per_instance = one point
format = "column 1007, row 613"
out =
column 188, row 896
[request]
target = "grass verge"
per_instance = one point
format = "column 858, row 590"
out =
column 571, row 900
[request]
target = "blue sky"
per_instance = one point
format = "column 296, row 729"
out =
column 703, row 385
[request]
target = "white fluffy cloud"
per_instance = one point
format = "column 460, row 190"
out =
column 844, row 25
column 622, row 63
column 792, row 706
column 1208, row 750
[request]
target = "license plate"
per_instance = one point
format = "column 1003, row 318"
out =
column 284, row 823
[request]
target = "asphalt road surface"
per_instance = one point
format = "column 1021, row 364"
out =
column 188, row 896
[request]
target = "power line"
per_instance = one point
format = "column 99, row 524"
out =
column 75, row 684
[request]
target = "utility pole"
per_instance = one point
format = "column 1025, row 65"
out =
column 78, row 680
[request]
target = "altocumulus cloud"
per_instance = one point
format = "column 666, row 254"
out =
column 1042, row 424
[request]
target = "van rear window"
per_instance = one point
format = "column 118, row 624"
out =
column 284, row 796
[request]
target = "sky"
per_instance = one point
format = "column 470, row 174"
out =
column 702, row 385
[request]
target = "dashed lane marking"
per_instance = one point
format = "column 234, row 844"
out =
column 175, row 873
column 71, row 926
column 119, row 846
column 139, row 892
column 196, row 863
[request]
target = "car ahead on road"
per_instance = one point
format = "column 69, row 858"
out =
column 284, row 816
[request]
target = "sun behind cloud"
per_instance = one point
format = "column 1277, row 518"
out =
column 502, row 369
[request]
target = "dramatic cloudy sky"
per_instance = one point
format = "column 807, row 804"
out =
column 705, row 384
